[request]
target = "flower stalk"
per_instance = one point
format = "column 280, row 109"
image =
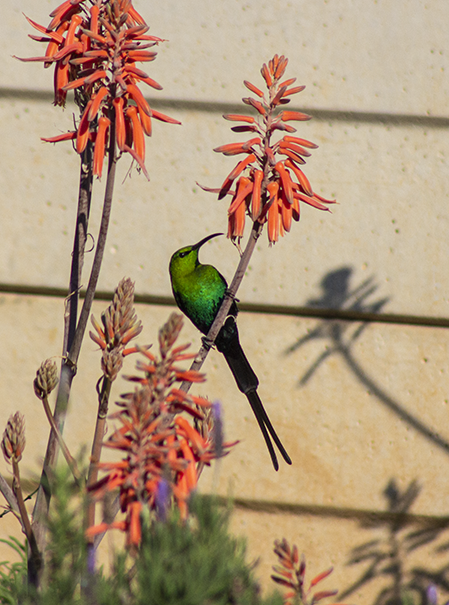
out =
column 163, row 452
column 44, row 383
column 13, row 445
column 266, row 190
column 120, row 326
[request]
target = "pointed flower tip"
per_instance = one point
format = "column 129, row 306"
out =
column 13, row 442
column 46, row 379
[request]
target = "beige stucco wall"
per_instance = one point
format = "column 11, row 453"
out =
column 361, row 407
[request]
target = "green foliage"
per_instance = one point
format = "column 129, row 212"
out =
column 12, row 575
column 178, row 563
column 65, row 554
column 197, row 563
column 192, row 563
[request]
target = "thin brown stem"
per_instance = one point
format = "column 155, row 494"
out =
column 65, row 450
column 97, row 444
column 35, row 560
column 238, row 276
column 10, row 498
column 79, row 245
column 108, row 517
column 68, row 369
column 75, row 348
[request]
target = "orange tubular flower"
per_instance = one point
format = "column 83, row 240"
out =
column 273, row 212
column 138, row 133
column 100, row 145
column 120, row 129
column 83, row 130
column 244, row 188
column 275, row 186
column 94, row 50
column 256, row 202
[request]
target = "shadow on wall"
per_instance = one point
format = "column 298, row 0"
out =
column 389, row 557
column 341, row 334
column 402, row 544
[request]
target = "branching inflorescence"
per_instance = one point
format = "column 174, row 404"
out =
column 94, row 46
column 290, row 573
column 163, row 452
column 269, row 188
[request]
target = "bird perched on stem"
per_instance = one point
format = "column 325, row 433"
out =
column 199, row 291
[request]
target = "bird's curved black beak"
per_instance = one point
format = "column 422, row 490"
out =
column 204, row 240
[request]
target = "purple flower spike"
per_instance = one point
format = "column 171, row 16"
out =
column 218, row 428
column 163, row 494
column 431, row 595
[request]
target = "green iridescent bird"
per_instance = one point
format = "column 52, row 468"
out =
column 199, row 291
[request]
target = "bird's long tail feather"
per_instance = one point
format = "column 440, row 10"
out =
column 267, row 428
column 248, row 382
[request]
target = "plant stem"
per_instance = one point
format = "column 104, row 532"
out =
column 9, row 497
column 103, row 404
column 75, row 347
column 35, row 559
column 97, row 443
column 81, row 233
column 68, row 369
column 107, row 518
column 65, row 450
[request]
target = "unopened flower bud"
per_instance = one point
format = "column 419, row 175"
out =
column 13, row 442
column 46, row 379
column 111, row 363
column 120, row 323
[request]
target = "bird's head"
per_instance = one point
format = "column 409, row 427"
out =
column 185, row 260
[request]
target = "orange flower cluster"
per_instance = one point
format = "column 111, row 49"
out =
column 291, row 572
column 95, row 51
column 270, row 188
column 160, row 445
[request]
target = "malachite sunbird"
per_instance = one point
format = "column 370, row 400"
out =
column 199, row 291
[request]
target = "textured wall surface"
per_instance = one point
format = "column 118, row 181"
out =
column 345, row 320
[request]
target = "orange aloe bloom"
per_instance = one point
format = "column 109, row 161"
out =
column 161, row 448
column 94, row 50
column 269, row 188
column 290, row 573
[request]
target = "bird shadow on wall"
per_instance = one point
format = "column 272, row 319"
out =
column 341, row 334
column 402, row 539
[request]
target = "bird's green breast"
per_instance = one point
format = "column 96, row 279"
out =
column 199, row 294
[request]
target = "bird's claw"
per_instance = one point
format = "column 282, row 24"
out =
column 207, row 343
column 231, row 295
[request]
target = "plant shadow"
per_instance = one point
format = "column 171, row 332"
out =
column 388, row 558
column 341, row 334
column 399, row 539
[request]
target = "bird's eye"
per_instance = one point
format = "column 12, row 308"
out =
column 183, row 254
